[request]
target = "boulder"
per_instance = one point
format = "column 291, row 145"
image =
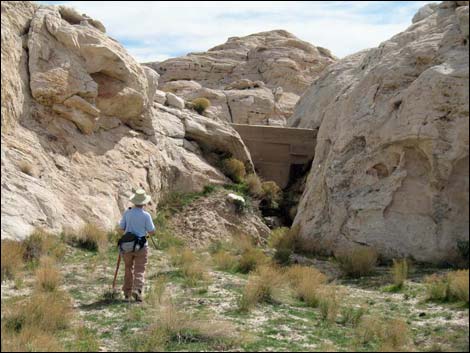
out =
column 174, row 101
column 392, row 154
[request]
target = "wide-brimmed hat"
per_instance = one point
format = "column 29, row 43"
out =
column 140, row 197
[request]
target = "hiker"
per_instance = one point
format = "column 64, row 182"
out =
column 135, row 224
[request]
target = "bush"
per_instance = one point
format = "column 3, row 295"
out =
column 306, row 283
column 29, row 339
column 263, row 286
column 285, row 244
column 46, row 311
column 251, row 259
column 47, row 275
column 234, row 169
column 448, row 288
column 224, row 261
column 271, row 194
column 173, row 327
column 399, row 273
column 41, row 243
column 329, row 302
column 89, row 237
column 254, row 185
column 392, row 335
column 357, row 262
column 201, row 104
column 12, row 258
column 352, row 316
column 191, row 269
column 277, row 236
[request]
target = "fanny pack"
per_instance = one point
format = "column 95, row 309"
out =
column 130, row 242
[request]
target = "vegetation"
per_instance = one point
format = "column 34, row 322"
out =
column 399, row 273
column 41, row 243
column 12, row 258
column 285, row 242
column 48, row 276
column 201, row 104
column 357, row 262
column 271, row 193
column 90, row 237
column 451, row 287
column 191, row 268
column 254, row 185
column 234, row 169
column 307, row 283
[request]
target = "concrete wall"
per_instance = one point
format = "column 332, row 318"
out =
column 274, row 149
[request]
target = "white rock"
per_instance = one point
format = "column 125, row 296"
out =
column 174, row 101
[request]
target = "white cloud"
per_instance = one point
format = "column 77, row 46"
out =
column 154, row 31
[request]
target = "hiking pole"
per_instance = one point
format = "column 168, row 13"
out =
column 153, row 242
column 116, row 272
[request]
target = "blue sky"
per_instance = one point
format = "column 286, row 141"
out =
column 157, row 30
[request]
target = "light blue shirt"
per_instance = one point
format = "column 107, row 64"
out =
column 137, row 221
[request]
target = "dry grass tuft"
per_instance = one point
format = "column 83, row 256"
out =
column 48, row 276
column 306, row 283
column 174, row 327
column 399, row 272
column 263, row 286
column 392, row 335
column 234, row 169
column 201, row 104
column 12, row 258
column 224, row 261
column 272, row 193
column 252, row 259
column 357, row 262
column 89, row 237
column 42, row 243
column 451, row 287
column 255, row 187
column 191, row 268
column 29, row 339
column 329, row 302
column 285, row 242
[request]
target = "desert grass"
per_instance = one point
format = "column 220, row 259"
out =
column 42, row 243
column 352, row 316
column 306, row 283
column 225, row 261
column 90, row 237
column 329, row 302
column 285, row 243
column 254, row 184
column 389, row 334
column 452, row 287
column 276, row 236
column 29, row 339
column 264, row 286
column 191, row 268
column 47, row 311
column 48, row 277
column 173, row 328
column 400, row 272
column 252, row 259
column 271, row 193
column 234, row 169
column 11, row 258
column 357, row 262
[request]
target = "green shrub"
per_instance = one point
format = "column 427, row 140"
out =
column 352, row 316
column 358, row 261
column 201, row 104
column 234, row 169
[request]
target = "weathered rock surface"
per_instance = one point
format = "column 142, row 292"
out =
column 81, row 113
column 255, row 79
column 392, row 157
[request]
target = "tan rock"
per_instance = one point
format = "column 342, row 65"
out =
column 393, row 146
column 174, row 101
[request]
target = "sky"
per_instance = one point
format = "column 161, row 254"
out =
column 158, row 30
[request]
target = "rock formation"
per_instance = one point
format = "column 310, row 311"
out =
column 392, row 157
column 255, row 79
column 83, row 123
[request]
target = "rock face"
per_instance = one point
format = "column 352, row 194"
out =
column 392, row 157
column 255, row 79
column 81, row 127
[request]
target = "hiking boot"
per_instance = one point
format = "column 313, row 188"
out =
column 137, row 295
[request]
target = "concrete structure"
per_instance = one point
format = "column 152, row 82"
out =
column 275, row 150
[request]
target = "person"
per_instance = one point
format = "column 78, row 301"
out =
column 136, row 223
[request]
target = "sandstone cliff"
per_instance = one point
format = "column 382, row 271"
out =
column 83, row 123
column 392, row 157
column 255, row 79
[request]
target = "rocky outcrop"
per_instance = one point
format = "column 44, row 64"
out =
column 255, row 79
column 83, row 123
column 391, row 161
